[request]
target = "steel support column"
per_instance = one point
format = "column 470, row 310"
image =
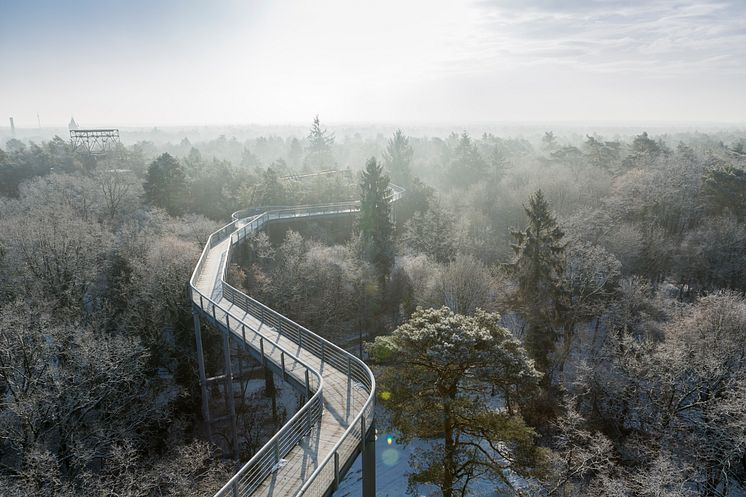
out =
column 202, row 374
column 229, row 399
column 369, row 460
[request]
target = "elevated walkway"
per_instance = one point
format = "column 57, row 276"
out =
column 309, row 455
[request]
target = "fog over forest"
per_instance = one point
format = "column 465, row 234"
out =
column 426, row 248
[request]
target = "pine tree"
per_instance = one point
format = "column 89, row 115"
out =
column 467, row 166
column 724, row 189
column 319, row 148
column 398, row 157
column 439, row 369
column 376, row 229
column 165, row 185
column 539, row 267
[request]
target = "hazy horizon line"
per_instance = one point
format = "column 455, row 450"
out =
column 395, row 123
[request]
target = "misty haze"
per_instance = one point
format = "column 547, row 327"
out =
column 373, row 249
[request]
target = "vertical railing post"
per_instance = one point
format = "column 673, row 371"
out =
column 349, row 371
column 336, row 470
column 308, row 386
column 282, row 361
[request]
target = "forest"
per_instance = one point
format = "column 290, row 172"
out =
column 546, row 314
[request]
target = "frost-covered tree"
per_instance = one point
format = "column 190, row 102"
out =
column 54, row 252
column 119, row 191
column 70, row 391
column 591, row 279
column 438, row 371
column 700, row 364
column 431, row 232
column 465, row 285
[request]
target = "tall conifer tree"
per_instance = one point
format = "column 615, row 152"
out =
column 376, row 228
column 539, row 265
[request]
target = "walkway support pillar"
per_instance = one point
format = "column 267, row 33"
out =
column 271, row 392
column 202, row 374
column 369, row 460
column 229, row 397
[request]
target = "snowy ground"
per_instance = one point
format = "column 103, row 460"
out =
column 393, row 466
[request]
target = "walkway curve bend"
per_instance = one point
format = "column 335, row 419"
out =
column 309, row 455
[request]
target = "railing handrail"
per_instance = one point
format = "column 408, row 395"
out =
column 396, row 193
column 285, row 428
column 303, row 411
column 251, row 223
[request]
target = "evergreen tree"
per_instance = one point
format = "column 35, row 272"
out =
column 431, row 232
column 439, row 369
column 497, row 165
column 376, row 228
column 601, row 154
column 467, row 166
column 539, row 267
column 270, row 190
column 295, row 152
column 398, row 157
column 319, row 148
column 724, row 190
column 549, row 141
column 165, row 185
column 249, row 160
column 193, row 163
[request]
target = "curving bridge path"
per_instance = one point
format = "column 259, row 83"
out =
column 313, row 450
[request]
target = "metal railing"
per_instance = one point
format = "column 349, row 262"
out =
column 327, row 474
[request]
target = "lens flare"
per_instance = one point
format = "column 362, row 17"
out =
column 389, row 440
column 390, row 457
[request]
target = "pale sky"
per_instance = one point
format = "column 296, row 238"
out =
column 143, row 62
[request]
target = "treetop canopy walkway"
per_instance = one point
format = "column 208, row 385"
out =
column 313, row 450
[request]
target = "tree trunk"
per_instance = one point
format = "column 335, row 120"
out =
column 568, row 333
column 449, row 453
